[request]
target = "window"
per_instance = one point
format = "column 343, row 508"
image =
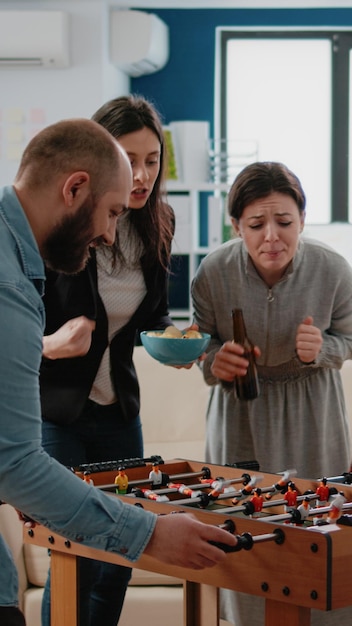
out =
column 288, row 92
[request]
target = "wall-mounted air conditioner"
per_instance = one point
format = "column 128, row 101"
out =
column 139, row 42
column 34, row 39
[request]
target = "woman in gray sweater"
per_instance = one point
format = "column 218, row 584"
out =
column 296, row 297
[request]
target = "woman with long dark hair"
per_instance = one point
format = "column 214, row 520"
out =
column 89, row 387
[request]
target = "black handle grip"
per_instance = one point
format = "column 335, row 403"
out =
column 244, row 542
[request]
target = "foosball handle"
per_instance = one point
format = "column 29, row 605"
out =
column 250, row 465
column 244, row 542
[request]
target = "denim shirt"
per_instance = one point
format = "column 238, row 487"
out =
column 30, row 479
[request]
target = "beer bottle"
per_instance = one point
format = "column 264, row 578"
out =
column 247, row 387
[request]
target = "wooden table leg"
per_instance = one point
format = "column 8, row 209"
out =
column 63, row 599
column 201, row 604
column 284, row 614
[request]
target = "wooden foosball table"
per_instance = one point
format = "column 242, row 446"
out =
column 295, row 564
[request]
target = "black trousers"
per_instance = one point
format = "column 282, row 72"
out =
column 11, row 616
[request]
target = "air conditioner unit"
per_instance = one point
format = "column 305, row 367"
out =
column 139, row 42
column 34, row 39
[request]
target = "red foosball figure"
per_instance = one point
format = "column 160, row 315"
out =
column 336, row 506
column 217, row 487
column 257, row 500
column 322, row 492
column 247, row 490
column 281, row 484
column 290, row 496
column 151, row 495
column 186, row 491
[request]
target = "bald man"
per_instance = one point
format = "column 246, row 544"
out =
column 72, row 184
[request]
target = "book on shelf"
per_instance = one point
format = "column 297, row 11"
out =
column 172, row 164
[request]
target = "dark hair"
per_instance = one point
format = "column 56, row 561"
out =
column 153, row 223
column 259, row 180
column 68, row 146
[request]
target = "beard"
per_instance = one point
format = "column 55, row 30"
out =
column 66, row 249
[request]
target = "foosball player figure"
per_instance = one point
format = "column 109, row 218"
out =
column 303, row 510
column 217, row 487
column 157, row 477
column 121, row 481
column 149, row 494
column 87, row 479
column 247, row 490
column 185, row 490
column 337, row 503
column 290, row 496
column 203, row 499
column 322, row 492
column 281, row 484
column 257, row 501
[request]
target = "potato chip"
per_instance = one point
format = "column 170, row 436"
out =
column 192, row 334
column 172, row 331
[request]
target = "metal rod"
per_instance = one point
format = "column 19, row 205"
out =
column 265, row 537
column 271, row 503
column 175, row 477
column 247, row 540
column 148, row 481
column 277, row 518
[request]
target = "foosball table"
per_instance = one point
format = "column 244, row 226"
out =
column 296, row 556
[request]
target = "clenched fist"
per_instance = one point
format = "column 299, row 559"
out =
column 70, row 340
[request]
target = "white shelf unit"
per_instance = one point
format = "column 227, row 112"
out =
column 191, row 203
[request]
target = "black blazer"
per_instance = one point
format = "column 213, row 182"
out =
column 66, row 383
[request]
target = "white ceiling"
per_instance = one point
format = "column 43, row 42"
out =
column 202, row 4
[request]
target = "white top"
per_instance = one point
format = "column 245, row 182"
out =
column 122, row 289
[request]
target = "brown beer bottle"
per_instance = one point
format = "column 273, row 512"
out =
column 247, row 387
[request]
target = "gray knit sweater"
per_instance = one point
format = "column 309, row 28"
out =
column 299, row 420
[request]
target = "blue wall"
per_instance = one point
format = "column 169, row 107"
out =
column 184, row 89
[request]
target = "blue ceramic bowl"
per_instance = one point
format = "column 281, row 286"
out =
column 174, row 351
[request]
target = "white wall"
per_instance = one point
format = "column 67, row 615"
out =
column 231, row 4
column 217, row 4
column 34, row 97
column 337, row 235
